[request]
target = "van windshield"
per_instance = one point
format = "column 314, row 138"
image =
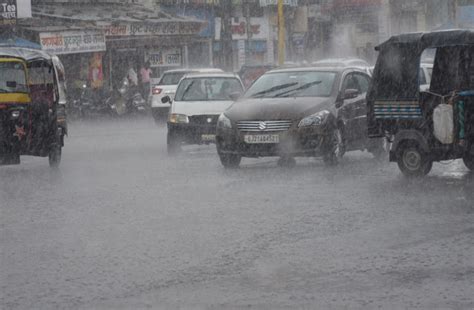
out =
column 12, row 77
column 209, row 88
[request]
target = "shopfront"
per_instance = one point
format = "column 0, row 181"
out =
column 99, row 42
column 164, row 45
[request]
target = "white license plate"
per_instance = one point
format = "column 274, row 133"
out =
column 253, row 139
column 208, row 138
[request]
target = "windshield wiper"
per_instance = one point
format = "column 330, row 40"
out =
column 187, row 89
column 274, row 88
column 302, row 87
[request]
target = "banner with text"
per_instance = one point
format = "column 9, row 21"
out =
column 8, row 12
column 71, row 42
column 170, row 57
column 163, row 28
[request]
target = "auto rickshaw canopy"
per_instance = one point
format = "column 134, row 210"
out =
column 397, row 68
column 26, row 54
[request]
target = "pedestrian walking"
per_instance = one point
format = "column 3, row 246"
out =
column 145, row 78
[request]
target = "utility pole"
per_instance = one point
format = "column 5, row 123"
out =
column 226, row 35
column 453, row 12
column 281, row 33
column 248, row 30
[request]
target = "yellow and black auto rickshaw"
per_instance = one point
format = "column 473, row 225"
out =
column 431, row 125
column 30, row 119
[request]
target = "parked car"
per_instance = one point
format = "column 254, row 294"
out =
column 166, row 86
column 313, row 111
column 200, row 99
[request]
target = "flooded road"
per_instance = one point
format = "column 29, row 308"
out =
column 121, row 225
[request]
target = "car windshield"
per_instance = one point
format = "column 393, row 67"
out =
column 293, row 84
column 171, row 78
column 12, row 77
column 208, row 88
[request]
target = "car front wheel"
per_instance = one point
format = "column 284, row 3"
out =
column 230, row 160
column 379, row 148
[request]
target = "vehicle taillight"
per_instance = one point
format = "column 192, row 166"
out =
column 156, row 91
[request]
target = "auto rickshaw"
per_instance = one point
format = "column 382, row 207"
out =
column 424, row 125
column 29, row 106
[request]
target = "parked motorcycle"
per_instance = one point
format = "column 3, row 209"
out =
column 88, row 103
column 127, row 100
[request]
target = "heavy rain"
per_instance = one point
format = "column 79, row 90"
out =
column 236, row 154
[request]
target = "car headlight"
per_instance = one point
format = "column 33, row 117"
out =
column 178, row 118
column 223, row 122
column 314, row 119
column 15, row 114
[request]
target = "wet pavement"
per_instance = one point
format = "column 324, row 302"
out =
column 123, row 226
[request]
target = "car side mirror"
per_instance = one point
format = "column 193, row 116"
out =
column 351, row 93
column 166, row 99
column 235, row 95
column 339, row 100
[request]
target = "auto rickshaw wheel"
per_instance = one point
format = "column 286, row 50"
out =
column 335, row 148
column 55, row 156
column 412, row 161
column 468, row 158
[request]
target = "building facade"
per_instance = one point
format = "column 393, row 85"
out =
column 100, row 41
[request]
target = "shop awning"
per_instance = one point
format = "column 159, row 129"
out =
column 118, row 20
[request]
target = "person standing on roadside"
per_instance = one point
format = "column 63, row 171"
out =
column 145, row 78
column 132, row 75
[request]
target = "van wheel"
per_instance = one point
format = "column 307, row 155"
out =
column 54, row 156
column 469, row 157
column 230, row 160
column 412, row 161
column 173, row 144
column 335, row 148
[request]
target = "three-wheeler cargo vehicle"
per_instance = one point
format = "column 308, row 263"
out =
column 424, row 126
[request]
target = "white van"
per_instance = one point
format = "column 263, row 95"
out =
column 166, row 86
column 200, row 99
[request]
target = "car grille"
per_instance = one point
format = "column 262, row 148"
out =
column 203, row 119
column 282, row 125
